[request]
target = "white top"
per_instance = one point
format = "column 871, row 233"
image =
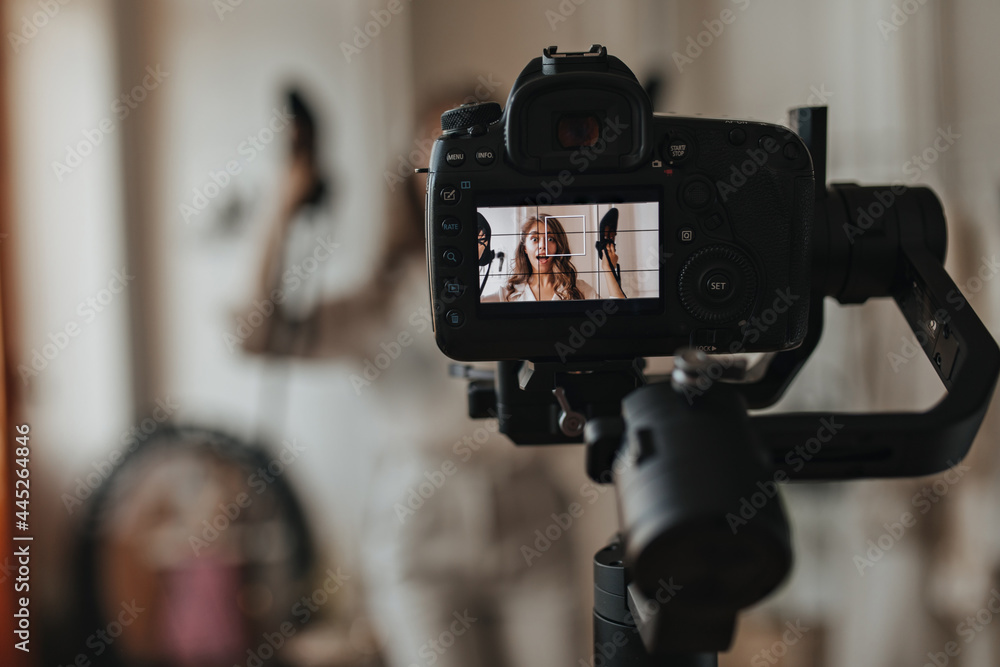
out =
column 523, row 293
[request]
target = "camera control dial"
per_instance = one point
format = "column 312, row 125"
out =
column 717, row 284
column 469, row 116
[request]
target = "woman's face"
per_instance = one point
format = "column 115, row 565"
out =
column 540, row 249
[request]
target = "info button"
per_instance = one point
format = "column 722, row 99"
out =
column 485, row 156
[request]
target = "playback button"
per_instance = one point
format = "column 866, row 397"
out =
column 452, row 287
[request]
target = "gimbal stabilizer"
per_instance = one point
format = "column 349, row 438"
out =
column 683, row 454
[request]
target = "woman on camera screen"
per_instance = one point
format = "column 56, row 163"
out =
column 543, row 270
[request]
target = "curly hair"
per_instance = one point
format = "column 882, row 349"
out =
column 563, row 271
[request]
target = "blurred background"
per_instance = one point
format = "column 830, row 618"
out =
column 225, row 478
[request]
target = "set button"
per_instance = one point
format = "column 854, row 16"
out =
column 718, row 286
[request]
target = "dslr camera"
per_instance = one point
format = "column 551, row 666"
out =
column 576, row 224
column 574, row 233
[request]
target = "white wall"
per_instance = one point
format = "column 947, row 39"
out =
column 67, row 233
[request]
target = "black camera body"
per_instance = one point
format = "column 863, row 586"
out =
column 711, row 239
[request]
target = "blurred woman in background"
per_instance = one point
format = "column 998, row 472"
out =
column 445, row 578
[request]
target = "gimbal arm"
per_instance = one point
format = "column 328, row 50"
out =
column 877, row 242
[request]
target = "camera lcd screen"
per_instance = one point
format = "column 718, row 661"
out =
column 563, row 252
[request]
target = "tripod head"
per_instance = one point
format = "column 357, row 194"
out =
column 684, row 454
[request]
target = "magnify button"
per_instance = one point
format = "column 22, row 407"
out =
column 451, row 257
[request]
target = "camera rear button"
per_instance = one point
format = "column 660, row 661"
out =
column 712, row 222
column 455, row 157
column 451, row 257
column 718, row 286
column 451, row 226
column 449, row 195
column 455, row 318
column 452, row 288
column 677, row 148
column 697, row 193
column 485, row 156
